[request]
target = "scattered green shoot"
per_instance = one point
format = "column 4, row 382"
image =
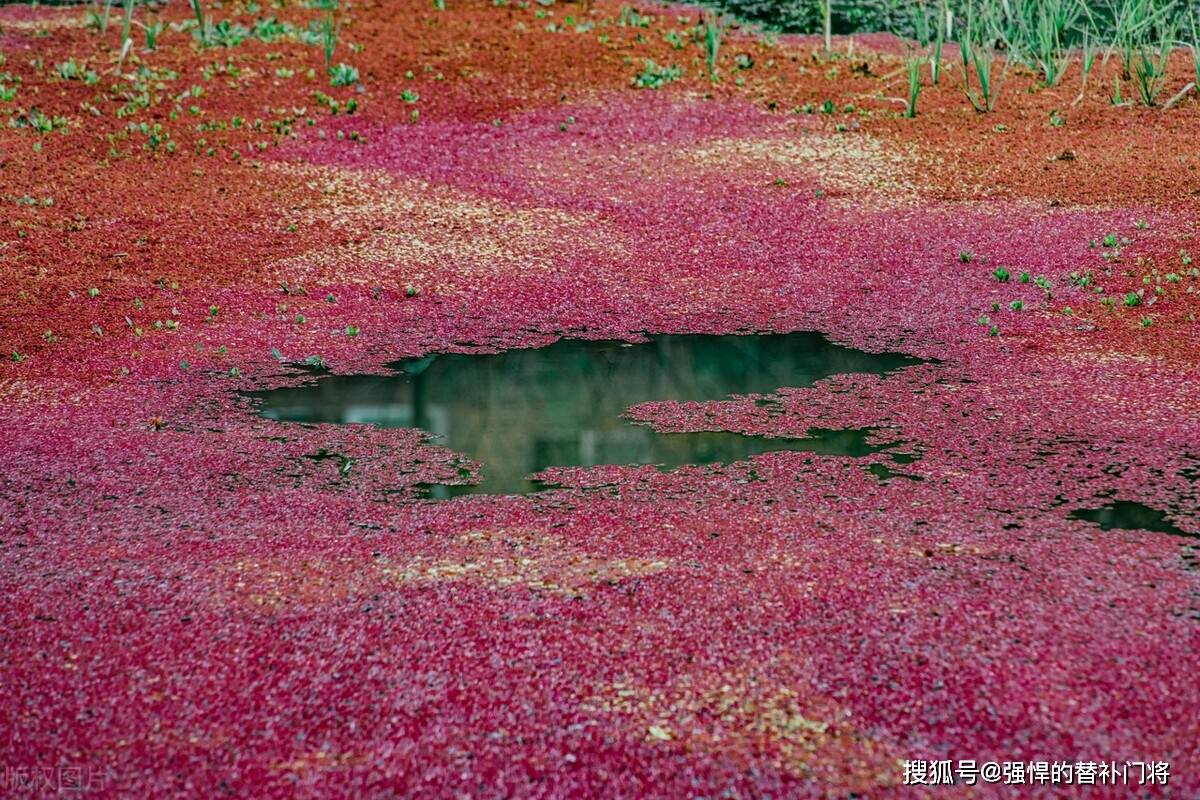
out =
column 1117, row 99
column 1001, row 274
column 152, row 30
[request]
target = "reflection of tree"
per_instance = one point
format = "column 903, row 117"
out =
column 520, row 411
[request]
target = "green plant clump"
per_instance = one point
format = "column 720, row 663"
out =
column 654, row 76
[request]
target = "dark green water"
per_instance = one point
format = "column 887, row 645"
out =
column 521, row 411
column 1127, row 515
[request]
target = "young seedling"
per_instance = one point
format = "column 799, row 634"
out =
column 152, row 30
column 1001, row 274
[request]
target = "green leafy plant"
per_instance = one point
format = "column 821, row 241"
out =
column 654, row 76
column 343, row 75
column 226, row 34
column 69, row 70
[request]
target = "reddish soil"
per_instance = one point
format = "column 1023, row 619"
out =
column 191, row 607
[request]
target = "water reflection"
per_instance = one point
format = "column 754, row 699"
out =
column 1127, row 515
column 521, row 411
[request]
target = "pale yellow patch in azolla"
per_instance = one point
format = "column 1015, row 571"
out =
column 857, row 164
column 406, row 230
column 528, row 558
column 44, row 23
column 752, row 717
column 497, row 559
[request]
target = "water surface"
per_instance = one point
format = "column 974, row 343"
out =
column 1127, row 515
column 521, row 411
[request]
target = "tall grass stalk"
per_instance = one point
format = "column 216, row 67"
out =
column 126, row 38
column 1133, row 22
column 201, row 25
column 921, row 25
column 1087, row 59
column 827, row 13
column 328, row 36
column 1150, row 69
column 978, row 58
column 714, row 32
column 935, row 60
column 1052, row 26
column 914, row 87
column 1194, row 47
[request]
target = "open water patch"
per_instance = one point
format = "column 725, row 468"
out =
column 521, row 411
